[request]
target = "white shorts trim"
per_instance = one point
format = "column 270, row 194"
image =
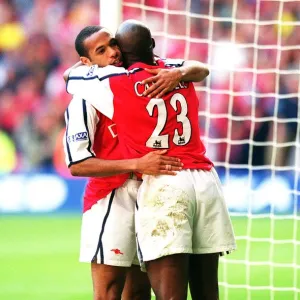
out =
column 185, row 213
column 108, row 230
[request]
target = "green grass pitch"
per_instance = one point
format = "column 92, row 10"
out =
column 39, row 260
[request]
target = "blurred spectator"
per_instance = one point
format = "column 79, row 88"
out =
column 12, row 34
column 253, row 89
column 36, row 46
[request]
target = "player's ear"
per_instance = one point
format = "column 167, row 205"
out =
column 85, row 60
column 153, row 43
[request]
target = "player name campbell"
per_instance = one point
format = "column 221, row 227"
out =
column 141, row 88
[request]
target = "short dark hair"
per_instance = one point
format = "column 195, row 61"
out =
column 82, row 36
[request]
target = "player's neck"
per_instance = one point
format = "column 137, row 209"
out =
column 146, row 60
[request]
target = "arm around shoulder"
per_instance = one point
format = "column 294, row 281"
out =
column 193, row 70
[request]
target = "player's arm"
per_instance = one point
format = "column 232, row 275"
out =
column 67, row 72
column 194, row 71
column 153, row 163
column 165, row 80
column 81, row 124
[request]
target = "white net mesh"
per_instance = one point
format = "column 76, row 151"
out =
column 249, row 116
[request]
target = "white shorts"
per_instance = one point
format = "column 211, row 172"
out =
column 185, row 213
column 108, row 231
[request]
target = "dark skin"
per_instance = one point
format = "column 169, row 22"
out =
column 169, row 275
column 110, row 283
column 141, row 50
column 153, row 163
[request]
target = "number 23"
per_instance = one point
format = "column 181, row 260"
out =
column 157, row 140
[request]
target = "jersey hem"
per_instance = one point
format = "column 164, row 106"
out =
column 224, row 249
column 114, row 263
column 169, row 252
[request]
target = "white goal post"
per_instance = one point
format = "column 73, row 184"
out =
column 111, row 14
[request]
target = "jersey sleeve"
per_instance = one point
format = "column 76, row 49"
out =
column 92, row 84
column 81, row 123
column 82, row 72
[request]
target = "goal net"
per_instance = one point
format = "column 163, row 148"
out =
column 249, row 118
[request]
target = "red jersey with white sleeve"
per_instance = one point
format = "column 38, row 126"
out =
column 143, row 123
column 91, row 134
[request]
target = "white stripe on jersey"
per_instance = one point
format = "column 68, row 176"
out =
column 86, row 72
column 90, row 74
column 81, row 124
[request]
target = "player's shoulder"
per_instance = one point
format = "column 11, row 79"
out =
column 110, row 71
column 82, row 71
column 91, row 72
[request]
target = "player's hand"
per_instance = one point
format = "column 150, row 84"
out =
column 164, row 81
column 157, row 163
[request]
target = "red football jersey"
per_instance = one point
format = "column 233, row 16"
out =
column 169, row 123
column 146, row 124
column 91, row 134
column 106, row 146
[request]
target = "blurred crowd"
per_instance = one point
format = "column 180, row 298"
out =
column 249, row 102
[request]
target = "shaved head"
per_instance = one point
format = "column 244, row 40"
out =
column 135, row 42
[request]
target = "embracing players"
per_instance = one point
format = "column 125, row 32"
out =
column 182, row 221
column 92, row 149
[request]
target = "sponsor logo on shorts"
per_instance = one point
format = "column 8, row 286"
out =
column 117, row 251
column 77, row 137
